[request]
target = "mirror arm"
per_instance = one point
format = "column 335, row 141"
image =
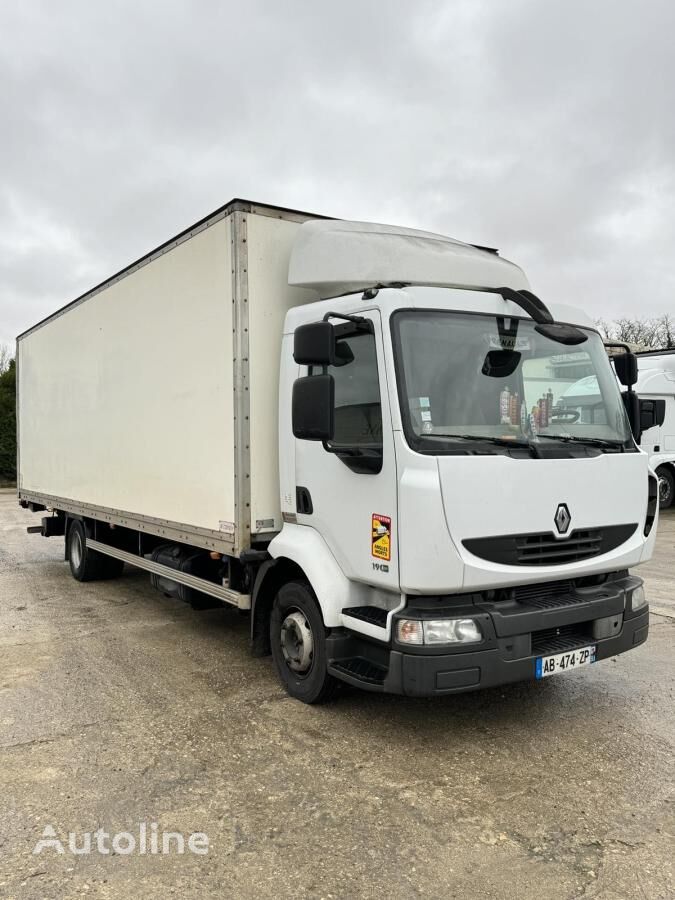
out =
column 569, row 335
column 352, row 324
column 618, row 344
column 334, row 315
column 528, row 301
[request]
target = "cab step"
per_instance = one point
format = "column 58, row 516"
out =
column 359, row 671
column 374, row 615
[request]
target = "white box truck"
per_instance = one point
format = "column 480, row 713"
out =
column 656, row 380
column 353, row 431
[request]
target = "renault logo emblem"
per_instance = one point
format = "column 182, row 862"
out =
column 562, row 518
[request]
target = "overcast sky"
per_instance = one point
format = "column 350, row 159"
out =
column 546, row 129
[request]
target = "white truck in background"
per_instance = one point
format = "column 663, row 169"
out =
column 656, row 380
column 656, row 389
column 353, row 431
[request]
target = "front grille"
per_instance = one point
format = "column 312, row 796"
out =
column 560, row 640
column 545, row 549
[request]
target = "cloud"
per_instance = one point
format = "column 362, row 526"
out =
column 546, row 130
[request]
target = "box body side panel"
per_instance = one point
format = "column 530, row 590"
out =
column 126, row 400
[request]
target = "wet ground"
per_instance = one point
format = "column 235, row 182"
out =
column 120, row 707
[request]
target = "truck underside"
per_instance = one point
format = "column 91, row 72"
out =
column 574, row 621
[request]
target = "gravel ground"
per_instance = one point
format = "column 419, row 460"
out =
column 120, row 707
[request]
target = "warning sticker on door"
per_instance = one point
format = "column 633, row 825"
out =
column 381, row 537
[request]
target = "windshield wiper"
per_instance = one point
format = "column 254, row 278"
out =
column 594, row 442
column 502, row 442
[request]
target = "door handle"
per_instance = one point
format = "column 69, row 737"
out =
column 303, row 501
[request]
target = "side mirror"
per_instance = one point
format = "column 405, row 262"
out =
column 563, row 334
column 626, row 367
column 314, row 344
column 652, row 413
column 313, row 407
column 343, row 354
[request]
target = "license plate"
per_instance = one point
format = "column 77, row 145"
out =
column 563, row 662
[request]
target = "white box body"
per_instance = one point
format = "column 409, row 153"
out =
column 153, row 399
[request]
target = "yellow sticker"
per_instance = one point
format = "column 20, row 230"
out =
column 381, row 537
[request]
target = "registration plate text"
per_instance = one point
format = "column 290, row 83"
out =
column 563, row 662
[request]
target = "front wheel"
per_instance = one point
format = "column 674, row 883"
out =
column 298, row 639
column 666, row 487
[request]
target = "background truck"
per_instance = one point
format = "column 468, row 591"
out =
column 353, row 431
column 655, row 385
column 656, row 380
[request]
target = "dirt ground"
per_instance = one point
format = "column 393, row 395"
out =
column 120, row 707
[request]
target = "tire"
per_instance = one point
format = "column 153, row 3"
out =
column 666, row 487
column 298, row 641
column 87, row 564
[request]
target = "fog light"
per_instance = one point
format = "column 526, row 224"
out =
column 638, row 599
column 410, row 631
column 451, row 631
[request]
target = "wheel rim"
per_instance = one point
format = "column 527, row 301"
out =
column 297, row 642
column 76, row 549
column 665, row 489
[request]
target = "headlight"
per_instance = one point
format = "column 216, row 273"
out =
column 638, row 599
column 438, row 631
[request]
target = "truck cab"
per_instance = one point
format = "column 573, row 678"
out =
column 457, row 524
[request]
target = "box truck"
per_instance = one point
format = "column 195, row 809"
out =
column 354, row 432
column 656, row 380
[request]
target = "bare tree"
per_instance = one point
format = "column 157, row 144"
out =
column 667, row 331
column 5, row 358
column 643, row 334
column 605, row 328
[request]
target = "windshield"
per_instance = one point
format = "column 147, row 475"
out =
column 495, row 379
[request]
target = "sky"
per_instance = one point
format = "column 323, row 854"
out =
column 543, row 128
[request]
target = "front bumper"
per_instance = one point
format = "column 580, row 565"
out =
column 515, row 634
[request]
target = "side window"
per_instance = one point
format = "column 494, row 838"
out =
column 358, row 411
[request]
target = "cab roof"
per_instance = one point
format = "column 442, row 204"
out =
column 336, row 257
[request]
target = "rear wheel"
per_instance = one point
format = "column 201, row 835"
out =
column 87, row 564
column 298, row 639
column 666, row 487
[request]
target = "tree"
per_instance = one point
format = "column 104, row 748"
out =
column 5, row 357
column 667, row 331
column 644, row 334
column 8, row 422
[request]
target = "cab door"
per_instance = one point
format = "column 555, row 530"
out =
column 349, row 483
